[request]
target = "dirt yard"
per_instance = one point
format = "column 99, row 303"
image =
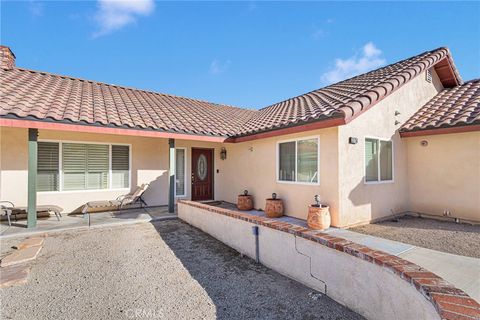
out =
column 165, row 270
column 457, row 238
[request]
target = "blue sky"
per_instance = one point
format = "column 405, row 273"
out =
column 247, row 54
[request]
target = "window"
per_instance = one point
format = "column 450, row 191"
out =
column 79, row 166
column 48, row 165
column 120, row 166
column 180, row 172
column 298, row 161
column 378, row 160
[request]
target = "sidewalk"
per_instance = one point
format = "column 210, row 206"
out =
column 463, row 272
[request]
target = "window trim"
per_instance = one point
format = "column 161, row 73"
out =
column 277, row 174
column 60, row 169
column 379, row 169
column 185, row 175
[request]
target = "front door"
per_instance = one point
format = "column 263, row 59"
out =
column 202, row 174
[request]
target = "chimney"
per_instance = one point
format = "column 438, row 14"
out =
column 7, row 58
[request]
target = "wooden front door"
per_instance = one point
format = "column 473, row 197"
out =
column 202, row 174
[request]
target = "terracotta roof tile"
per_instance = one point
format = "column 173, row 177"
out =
column 347, row 98
column 458, row 106
column 31, row 94
column 43, row 96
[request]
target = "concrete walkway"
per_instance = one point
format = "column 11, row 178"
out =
column 98, row 219
column 463, row 272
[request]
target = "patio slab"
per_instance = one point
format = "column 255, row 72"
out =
column 30, row 242
column 20, row 256
column 77, row 221
column 14, row 275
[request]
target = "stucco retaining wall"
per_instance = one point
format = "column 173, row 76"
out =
column 370, row 282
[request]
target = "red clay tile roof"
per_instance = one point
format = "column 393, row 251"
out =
column 349, row 98
column 38, row 95
column 26, row 94
column 458, row 106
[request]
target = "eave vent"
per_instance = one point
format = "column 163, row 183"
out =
column 428, row 75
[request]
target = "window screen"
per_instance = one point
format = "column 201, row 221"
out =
column 48, row 166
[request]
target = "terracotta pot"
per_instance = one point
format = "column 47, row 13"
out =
column 245, row 202
column 274, row 208
column 318, row 217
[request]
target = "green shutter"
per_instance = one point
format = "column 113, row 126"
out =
column 48, row 166
column 120, row 166
column 371, row 159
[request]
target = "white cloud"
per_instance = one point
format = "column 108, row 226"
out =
column 369, row 59
column 35, row 8
column 217, row 66
column 113, row 15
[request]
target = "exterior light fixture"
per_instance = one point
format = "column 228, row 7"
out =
column 223, row 153
column 353, row 140
column 424, row 143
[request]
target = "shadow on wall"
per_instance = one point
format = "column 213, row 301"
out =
column 155, row 190
column 375, row 200
column 240, row 288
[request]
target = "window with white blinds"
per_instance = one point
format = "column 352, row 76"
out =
column 120, row 166
column 48, row 166
column 81, row 166
column 378, row 160
column 180, row 172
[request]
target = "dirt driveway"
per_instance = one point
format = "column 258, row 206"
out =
column 165, row 270
column 457, row 238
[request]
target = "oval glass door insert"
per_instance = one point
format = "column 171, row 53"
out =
column 202, row 167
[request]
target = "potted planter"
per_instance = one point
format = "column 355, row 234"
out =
column 318, row 215
column 245, row 201
column 274, row 207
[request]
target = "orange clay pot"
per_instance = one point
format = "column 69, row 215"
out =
column 245, row 202
column 318, row 217
column 274, row 208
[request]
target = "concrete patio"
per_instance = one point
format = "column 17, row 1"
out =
column 76, row 221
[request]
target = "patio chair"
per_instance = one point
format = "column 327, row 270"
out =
column 118, row 204
column 8, row 208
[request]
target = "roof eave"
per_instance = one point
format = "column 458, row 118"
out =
column 89, row 128
column 442, row 130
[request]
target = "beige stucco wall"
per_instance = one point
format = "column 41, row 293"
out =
column 364, row 287
column 361, row 202
column 149, row 158
column 252, row 166
column 445, row 174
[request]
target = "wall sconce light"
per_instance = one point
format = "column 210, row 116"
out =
column 424, row 143
column 353, row 140
column 223, row 153
column 251, row 149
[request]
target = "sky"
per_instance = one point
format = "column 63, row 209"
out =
column 248, row 54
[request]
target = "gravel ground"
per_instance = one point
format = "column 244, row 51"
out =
column 457, row 238
column 165, row 270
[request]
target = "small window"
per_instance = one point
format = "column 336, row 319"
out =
column 48, row 166
column 180, row 172
column 120, row 166
column 378, row 160
column 298, row 161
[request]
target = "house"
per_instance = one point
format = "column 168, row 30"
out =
column 405, row 137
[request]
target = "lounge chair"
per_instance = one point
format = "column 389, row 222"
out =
column 8, row 208
column 122, row 201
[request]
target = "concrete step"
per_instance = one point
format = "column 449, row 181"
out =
column 14, row 275
column 20, row 256
column 30, row 242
